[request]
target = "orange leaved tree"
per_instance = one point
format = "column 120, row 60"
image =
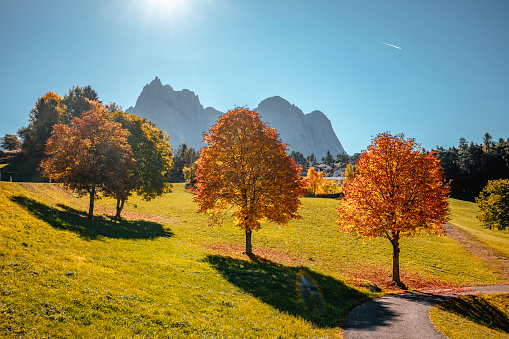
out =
column 315, row 182
column 398, row 191
column 245, row 167
column 89, row 154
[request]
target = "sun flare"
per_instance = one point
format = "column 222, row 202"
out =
column 164, row 9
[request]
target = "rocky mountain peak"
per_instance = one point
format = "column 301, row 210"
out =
column 181, row 114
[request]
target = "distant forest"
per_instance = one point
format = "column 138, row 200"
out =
column 470, row 166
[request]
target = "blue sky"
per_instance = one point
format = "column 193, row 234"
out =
column 448, row 79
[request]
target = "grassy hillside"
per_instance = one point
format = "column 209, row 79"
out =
column 480, row 317
column 163, row 272
column 464, row 215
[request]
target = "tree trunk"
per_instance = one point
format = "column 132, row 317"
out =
column 120, row 207
column 249, row 248
column 91, row 206
column 395, row 257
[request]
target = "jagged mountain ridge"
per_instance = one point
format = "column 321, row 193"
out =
column 182, row 116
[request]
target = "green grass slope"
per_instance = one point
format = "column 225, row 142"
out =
column 164, row 272
column 480, row 317
column 464, row 214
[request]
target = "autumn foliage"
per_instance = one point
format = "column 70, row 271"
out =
column 89, row 155
column 245, row 167
column 153, row 156
column 315, row 182
column 398, row 191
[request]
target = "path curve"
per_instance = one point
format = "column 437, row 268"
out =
column 405, row 315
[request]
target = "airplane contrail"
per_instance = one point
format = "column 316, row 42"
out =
column 389, row 44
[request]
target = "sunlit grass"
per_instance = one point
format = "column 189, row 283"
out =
column 481, row 317
column 164, row 272
column 464, row 214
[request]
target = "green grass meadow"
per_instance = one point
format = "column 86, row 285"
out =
column 464, row 215
column 483, row 316
column 480, row 317
column 163, row 272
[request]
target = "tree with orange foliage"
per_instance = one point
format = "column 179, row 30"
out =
column 89, row 154
column 398, row 191
column 245, row 166
column 314, row 181
column 48, row 111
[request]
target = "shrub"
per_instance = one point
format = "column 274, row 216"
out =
column 493, row 202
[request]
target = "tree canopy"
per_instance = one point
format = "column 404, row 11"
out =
column 184, row 157
column 311, row 159
column 153, row 156
column 328, row 158
column 299, row 158
column 493, row 202
column 350, row 172
column 10, row 142
column 48, row 111
column 78, row 99
column 398, row 191
column 314, row 181
column 88, row 155
column 245, row 166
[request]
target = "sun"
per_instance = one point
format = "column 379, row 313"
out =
column 162, row 10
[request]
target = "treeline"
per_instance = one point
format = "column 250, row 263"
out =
column 470, row 166
column 311, row 159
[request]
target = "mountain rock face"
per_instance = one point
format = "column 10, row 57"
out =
column 178, row 113
column 182, row 116
column 305, row 133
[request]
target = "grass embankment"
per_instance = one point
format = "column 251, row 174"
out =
column 163, row 272
column 480, row 317
column 464, row 215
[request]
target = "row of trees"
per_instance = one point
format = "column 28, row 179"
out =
column 105, row 150
column 92, row 148
column 301, row 160
column 95, row 149
column 395, row 190
column 470, row 166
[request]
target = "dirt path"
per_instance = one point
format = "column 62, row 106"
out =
column 406, row 315
column 497, row 263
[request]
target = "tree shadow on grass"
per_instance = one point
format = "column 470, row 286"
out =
column 76, row 221
column 478, row 310
column 298, row 291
